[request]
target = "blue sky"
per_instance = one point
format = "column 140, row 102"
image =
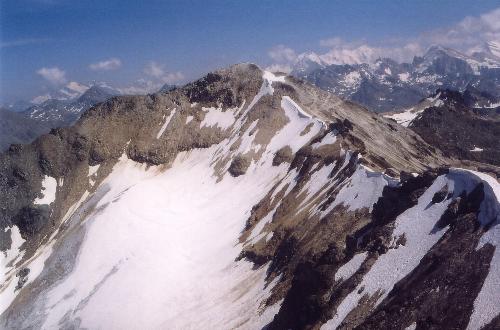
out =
column 176, row 41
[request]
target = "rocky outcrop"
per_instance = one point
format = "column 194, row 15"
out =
column 239, row 165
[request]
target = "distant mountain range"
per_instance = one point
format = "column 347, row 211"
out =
column 387, row 85
column 61, row 109
column 66, row 111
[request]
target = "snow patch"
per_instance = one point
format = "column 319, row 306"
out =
column 406, row 117
column 405, row 76
column 349, row 268
column 363, row 190
column 330, row 138
column 352, row 79
column 290, row 133
column 165, row 124
column 93, row 169
column 217, row 117
column 49, row 188
column 288, row 104
column 266, row 88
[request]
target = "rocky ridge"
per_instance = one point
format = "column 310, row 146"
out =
column 267, row 201
column 457, row 124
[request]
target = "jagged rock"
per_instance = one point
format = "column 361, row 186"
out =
column 284, row 155
column 440, row 195
column 239, row 165
column 23, row 278
column 31, row 219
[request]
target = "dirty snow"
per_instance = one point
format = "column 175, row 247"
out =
column 188, row 119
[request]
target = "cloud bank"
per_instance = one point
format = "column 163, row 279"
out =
column 106, row 65
column 468, row 36
column 53, row 75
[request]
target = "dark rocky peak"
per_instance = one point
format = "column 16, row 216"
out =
column 437, row 51
column 388, row 66
column 451, row 98
column 488, row 52
column 470, row 100
column 445, row 61
column 167, row 88
column 96, row 94
column 224, row 86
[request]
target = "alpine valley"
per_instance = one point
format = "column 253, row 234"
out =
column 254, row 200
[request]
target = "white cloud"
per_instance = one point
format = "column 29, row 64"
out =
column 106, row 65
column 141, row 86
column 469, row 35
column 154, row 69
column 77, row 87
column 172, row 78
column 147, row 86
column 23, row 42
column 40, row 99
column 281, row 53
column 158, row 72
column 53, row 75
column 279, row 68
column 334, row 42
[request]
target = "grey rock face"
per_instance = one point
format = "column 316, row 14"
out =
column 239, row 165
column 18, row 128
column 460, row 130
